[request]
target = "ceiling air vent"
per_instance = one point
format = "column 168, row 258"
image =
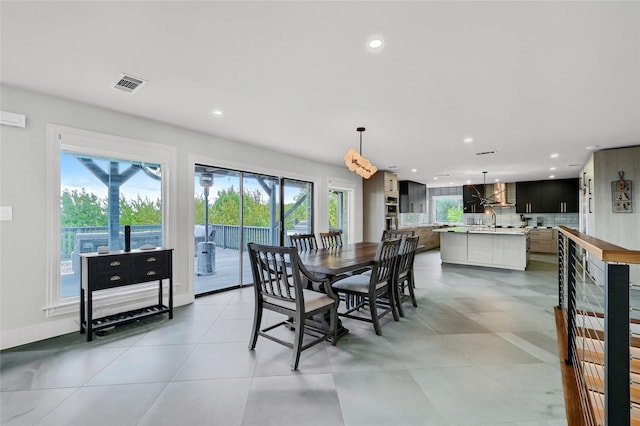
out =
column 486, row 152
column 128, row 83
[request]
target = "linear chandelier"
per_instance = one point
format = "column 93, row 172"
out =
column 357, row 163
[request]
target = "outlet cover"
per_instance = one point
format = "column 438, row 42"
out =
column 6, row 213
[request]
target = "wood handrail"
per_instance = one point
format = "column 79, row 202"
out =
column 602, row 250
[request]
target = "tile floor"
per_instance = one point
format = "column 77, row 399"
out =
column 479, row 350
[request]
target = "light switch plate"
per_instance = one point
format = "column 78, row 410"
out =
column 6, row 213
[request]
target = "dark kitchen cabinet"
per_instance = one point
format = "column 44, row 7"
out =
column 529, row 197
column 413, row 197
column 547, row 196
column 471, row 198
column 560, row 196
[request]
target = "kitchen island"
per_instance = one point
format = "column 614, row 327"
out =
column 494, row 247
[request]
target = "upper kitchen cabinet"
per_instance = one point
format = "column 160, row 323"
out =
column 560, row 196
column 529, row 197
column 471, row 199
column 413, row 197
column 547, row 196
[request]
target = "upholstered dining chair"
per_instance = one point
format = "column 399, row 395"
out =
column 287, row 293
column 367, row 289
column 403, row 278
column 396, row 233
column 331, row 239
column 304, row 242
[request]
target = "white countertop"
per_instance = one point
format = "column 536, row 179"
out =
column 485, row 230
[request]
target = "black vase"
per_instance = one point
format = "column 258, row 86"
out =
column 127, row 238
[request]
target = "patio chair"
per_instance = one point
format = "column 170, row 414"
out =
column 304, row 242
column 367, row 289
column 286, row 293
column 331, row 239
column 404, row 273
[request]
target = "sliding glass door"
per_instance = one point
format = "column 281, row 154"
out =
column 233, row 208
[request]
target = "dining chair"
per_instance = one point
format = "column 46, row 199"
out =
column 331, row 239
column 396, row 233
column 304, row 242
column 368, row 289
column 277, row 290
column 404, row 277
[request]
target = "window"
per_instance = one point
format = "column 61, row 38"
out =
column 99, row 196
column 96, row 184
column 448, row 208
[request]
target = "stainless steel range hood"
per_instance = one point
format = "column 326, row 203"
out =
column 501, row 194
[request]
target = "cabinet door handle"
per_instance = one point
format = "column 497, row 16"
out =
column 114, row 263
column 590, row 205
column 151, row 273
column 115, row 278
column 151, row 259
column 589, row 186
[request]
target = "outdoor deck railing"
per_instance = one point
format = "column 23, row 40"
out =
column 597, row 303
column 226, row 236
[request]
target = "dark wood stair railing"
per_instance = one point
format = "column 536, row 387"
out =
column 601, row 368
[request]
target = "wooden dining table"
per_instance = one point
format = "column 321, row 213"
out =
column 334, row 261
column 331, row 262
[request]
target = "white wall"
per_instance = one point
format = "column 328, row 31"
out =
column 23, row 277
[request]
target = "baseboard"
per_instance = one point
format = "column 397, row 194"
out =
column 58, row 327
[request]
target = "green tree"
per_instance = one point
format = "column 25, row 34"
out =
column 455, row 214
column 140, row 211
column 80, row 208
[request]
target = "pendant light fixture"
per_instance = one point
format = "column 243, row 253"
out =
column 357, row 163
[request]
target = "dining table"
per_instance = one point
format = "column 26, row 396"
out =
column 334, row 262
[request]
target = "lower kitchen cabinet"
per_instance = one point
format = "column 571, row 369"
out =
column 428, row 238
column 544, row 240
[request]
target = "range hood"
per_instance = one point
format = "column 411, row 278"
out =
column 501, row 194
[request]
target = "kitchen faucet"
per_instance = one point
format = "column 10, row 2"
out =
column 493, row 217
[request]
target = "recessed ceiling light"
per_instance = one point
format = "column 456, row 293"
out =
column 217, row 112
column 450, row 183
column 414, row 170
column 468, row 181
column 376, row 43
column 552, row 176
column 554, row 155
column 435, row 178
column 552, row 168
column 497, row 180
column 467, row 140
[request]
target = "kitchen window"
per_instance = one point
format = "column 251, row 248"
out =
column 448, row 209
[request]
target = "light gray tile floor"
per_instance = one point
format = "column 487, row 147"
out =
column 480, row 349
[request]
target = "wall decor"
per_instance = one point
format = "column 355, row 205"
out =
column 621, row 195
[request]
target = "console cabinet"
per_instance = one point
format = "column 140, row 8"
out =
column 547, row 196
column 118, row 269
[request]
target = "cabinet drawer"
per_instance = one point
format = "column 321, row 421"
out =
column 157, row 272
column 150, row 260
column 111, row 279
column 112, row 264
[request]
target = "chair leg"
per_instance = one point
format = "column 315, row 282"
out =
column 399, row 291
column 373, row 308
column 412, row 285
column 257, row 320
column 393, row 300
column 297, row 341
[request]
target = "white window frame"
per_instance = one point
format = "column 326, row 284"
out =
column 102, row 145
column 435, row 198
column 349, row 188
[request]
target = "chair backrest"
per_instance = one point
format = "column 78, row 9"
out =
column 385, row 260
column 331, row 239
column 276, row 273
column 396, row 233
column 407, row 254
column 304, row 242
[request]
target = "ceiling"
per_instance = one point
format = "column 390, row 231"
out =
column 523, row 79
